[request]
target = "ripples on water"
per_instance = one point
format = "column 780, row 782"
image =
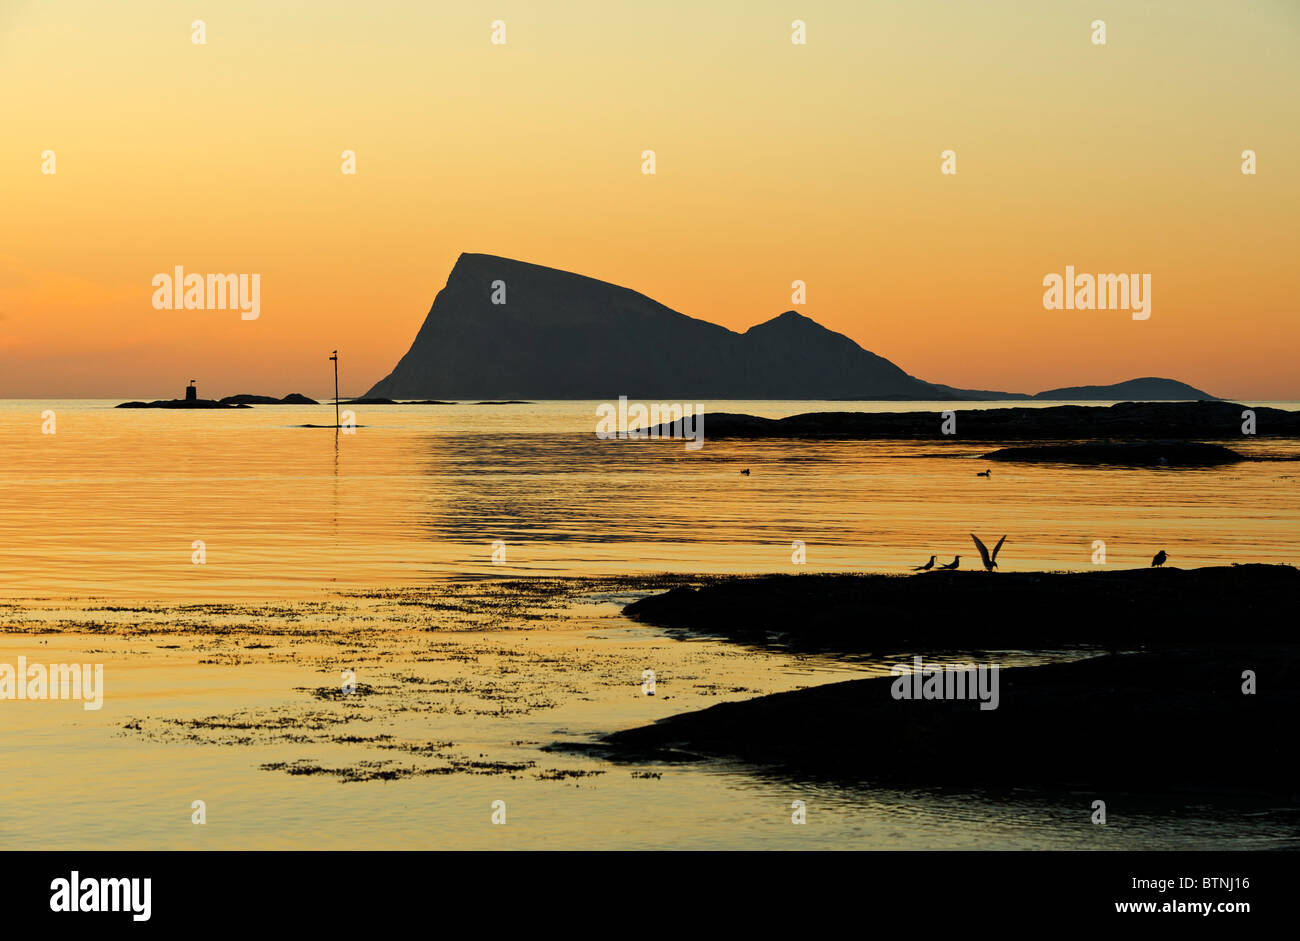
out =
column 113, row 502
column 111, row 505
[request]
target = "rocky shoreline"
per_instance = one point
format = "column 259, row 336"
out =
column 1122, row 609
column 1171, row 722
column 1200, row 670
column 1130, row 421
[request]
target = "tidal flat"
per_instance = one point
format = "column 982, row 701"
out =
column 450, row 695
column 398, row 718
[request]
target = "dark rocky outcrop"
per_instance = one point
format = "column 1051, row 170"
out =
column 182, row 403
column 1123, row 608
column 1158, row 723
column 293, row 398
column 243, row 400
column 1172, row 718
column 1125, row 420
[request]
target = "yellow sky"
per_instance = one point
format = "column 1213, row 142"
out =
column 775, row 162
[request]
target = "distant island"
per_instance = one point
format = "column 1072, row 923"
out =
column 183, row 403
column 243, row 400
column 371, row 400
column 506, row 329
column 1148, row 389
column 293, row 398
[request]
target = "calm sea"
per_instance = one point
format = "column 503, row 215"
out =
column 236, row 705
column 114, row 502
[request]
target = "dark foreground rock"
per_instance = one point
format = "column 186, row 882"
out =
column 1121, row 609
column 1134, row 421
column 1176, row 721
column 1140, row 453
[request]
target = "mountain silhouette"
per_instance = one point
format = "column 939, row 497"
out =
column 565, row 336
column 560, row 335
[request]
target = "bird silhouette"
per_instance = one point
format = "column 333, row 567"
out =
column 925, row 568
column 745, row 472
column 1159, row 559
column 987, row 472
column 990, row 561
column 956, row 560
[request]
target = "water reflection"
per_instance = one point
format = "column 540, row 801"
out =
column 421, row 492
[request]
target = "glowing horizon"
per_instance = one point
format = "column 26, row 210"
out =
column 775, row 162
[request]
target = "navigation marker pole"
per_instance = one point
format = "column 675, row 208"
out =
column 335, row 357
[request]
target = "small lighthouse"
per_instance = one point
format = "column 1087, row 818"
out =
column 191, row 393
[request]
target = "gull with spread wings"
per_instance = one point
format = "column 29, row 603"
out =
column 990, row 561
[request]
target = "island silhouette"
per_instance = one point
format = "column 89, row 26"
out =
column 243, row 400
column 507, row 329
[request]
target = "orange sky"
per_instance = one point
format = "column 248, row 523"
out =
column 776, row 162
